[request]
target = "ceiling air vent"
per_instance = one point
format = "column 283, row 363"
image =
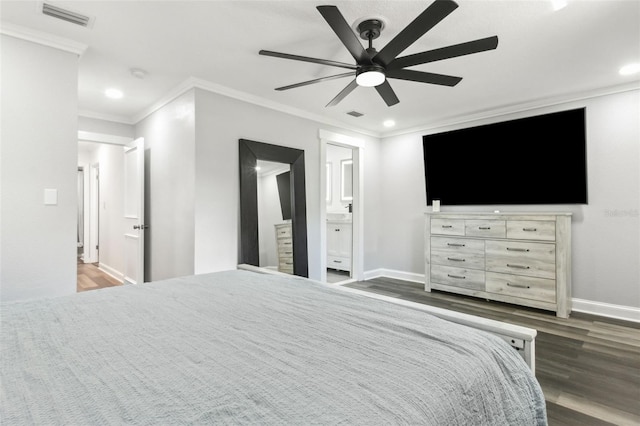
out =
column 66, row 15
column 355, row 114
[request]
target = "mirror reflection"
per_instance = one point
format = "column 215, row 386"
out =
column 275, row 240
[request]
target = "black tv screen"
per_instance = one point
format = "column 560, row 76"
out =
column 284, row 192
column 534, row 160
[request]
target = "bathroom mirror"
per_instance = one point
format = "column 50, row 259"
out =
column 249, row 154
column 346, row 180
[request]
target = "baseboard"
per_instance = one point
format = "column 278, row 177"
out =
column 625, row 313
column 392, row 273
column 111, row 271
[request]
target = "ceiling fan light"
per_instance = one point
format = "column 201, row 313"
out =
column 370, row 76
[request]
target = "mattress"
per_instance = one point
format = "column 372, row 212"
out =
column 238, row 347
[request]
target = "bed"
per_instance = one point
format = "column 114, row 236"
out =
column 242, row 347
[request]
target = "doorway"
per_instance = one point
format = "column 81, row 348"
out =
column 339, row 205
column 100, row 197
column 341, row 213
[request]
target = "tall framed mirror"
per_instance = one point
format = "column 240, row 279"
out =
column 249, row 154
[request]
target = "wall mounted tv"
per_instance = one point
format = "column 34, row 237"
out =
column 534, row 160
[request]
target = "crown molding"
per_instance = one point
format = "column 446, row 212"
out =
column 518, row 108
column 196, row 83
column 42, row 38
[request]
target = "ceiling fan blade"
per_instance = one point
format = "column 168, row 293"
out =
column 307, row 59
column 336, row 21
column 343, row 94
column 453, row 51
column 317, row 80
column 424, row 77
column 436, row 12
column 387, row 93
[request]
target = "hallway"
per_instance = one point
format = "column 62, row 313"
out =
column 92, row 278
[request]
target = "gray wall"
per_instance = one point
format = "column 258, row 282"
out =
column 605, row 233
column 39, row 150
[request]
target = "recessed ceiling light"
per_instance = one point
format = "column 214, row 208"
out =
column 558, row 4
column 113, row 93
column 389, row 123
column 630, row 69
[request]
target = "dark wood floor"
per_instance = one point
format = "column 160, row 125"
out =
column 588, row 366
column 90, row 277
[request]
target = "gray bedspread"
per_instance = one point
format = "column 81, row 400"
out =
column 238, row 347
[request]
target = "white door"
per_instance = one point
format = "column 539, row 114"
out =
column 134, row 212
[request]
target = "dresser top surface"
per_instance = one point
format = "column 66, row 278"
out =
column 469, row 215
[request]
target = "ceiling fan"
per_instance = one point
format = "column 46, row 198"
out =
column 373, row 68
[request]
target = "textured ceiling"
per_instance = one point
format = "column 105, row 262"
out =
column 543, row 56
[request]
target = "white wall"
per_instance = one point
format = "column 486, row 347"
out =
column 170, row 168
column 606, row 232
column 39, row 150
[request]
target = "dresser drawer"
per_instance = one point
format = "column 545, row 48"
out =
column 458, row 277
column 283, row 231
column 532, row 288
column 485, row 228
column 531, row 230
column 341, row 263
column 457, row 252
column 447, row 226
column 285, row 252
column 286, row 267
column 521, row 258
column 284, row 243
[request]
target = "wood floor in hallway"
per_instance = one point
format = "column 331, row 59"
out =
column 90, row 277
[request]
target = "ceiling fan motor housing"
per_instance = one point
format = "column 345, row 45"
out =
column 370, row 29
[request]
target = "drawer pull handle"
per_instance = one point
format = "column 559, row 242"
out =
column 337, row 230
column 530, row 229
column 287, row 244
column 510, row 265
column 289, row 263
column 517, row 249
column 455, row 245
column 460, row 277
column 455, row 259
column 484, row 227
column 518, row 285
column 337, row 261
column 447, row 226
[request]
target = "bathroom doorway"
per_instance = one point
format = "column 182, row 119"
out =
column 339, row 204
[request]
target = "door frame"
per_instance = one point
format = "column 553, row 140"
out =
column 357, row 256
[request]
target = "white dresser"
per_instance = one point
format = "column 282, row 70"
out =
column 520, row 258
column 284, row 240
column 339, row 245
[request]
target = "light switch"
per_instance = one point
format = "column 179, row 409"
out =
column 50, row 197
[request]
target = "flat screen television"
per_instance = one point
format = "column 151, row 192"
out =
column 284, row 192
column 534, row 160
